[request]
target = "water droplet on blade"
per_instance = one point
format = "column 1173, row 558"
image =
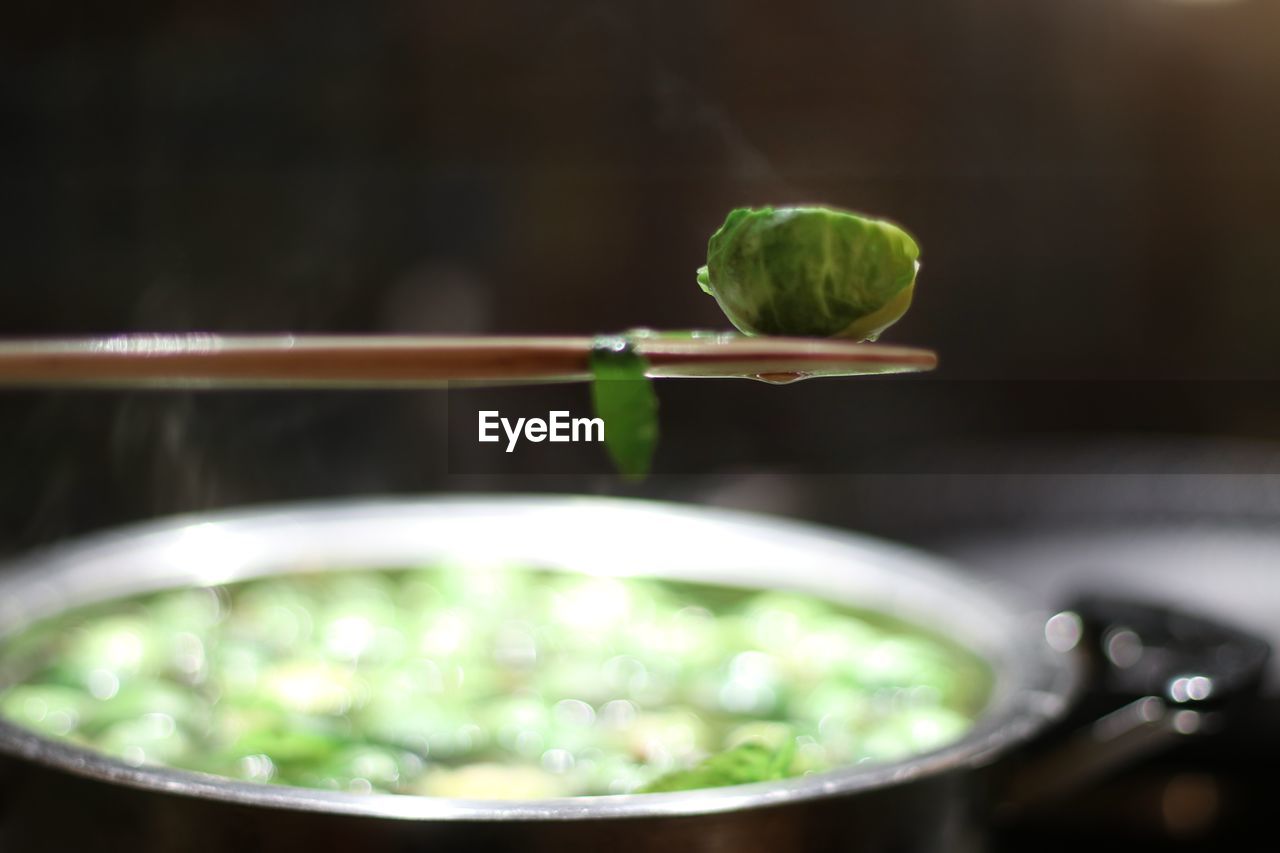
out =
column 781, row 378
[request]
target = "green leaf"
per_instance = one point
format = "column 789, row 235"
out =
column 810, row 271
column 704, row 279
column 624, row 399
column 748, row 762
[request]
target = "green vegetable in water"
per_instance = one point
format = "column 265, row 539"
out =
column 810, row 272
column 489, row 682
column 739, row 765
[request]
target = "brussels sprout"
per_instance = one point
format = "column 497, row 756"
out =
column 913, row 732
column 437, row 730
column 810, row 271
column 286, row 738
column 610, row 773
column 138, row 699
column 149, row 739
column 309, row 686
column 750, row 761
column 51, row 709
column 110, row 650
column 362, row 769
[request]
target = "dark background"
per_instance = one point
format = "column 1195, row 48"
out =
column 1094, row 184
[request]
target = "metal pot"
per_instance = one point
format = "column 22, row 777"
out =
column 55, row 796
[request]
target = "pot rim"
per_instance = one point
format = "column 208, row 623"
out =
column 1033, row 684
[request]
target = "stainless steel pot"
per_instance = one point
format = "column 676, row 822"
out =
column 58, row 796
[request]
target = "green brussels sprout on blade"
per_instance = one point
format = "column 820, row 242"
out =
column 810, row 272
